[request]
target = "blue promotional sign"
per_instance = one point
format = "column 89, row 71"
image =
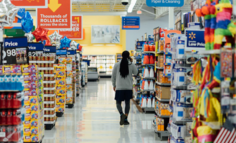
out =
column 15, row 42
column 61, row 52
column 195, row 40
column 35, row 46
column 131, row 23
column 139, row 45
column 49, row 49
column 165, row 3
column 71, row 52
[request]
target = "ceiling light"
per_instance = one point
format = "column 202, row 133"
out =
column 131, row 6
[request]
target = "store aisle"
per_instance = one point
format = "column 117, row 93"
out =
column 95, row 119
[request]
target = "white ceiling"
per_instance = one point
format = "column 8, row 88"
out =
column 104, row 5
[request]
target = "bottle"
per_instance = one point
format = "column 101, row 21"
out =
column 13, row 82
column 7, row 82
column 2, row 82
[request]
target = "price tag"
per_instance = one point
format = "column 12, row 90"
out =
column 35, row 49
column 15, row 51
column 49, row 51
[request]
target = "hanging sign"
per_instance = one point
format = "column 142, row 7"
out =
column 15, row 51
column 30, row 3
column 56, row 16
column 195, row 40
column 165, row 3
column 76, row 32
column 131, row 23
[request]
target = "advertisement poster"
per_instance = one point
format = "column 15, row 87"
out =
column 58, row 15
column 30, row 3
column 76, row 32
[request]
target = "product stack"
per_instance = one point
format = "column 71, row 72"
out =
column 78, row 73
column 84, row 73
column 11, row 104
column 147, row 83
column 33, row 91
column 60, row 73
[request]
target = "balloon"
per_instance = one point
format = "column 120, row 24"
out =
column 27, row 22
column 55, row 39
column 29, row 36
column 73, row 45
column 65, row 43
column 80, row 48
column 11, row 10
column 3, row 13
column 40, row 34
column 21, row 13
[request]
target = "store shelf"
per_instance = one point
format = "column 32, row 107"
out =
column 53, row 88
column 148, row 64
column 209, row 52
column 160, row 68
column 147, row 90
column 182, row 122
column 10, row 91
column 149, row 52
column 185, row 87
column 49, row 122
column 49, row 109
column 48, row 95
column 49, row 81
column 150, row 78
column 49, row 115
column 163, row 84
column 161, row 52
column 163, row 100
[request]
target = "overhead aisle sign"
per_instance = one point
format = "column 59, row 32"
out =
column 30, row 3
column 131, row 23
column 76, row 32
column 58, row 15
column 165, row 3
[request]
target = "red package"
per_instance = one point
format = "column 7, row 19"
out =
column 3, row 118
column 16, row 117
column 16, row 101
column 3, row 130
column 146, row 59
column 9, row 117
column 3, row 101
column 9, row 100
column 16, row 134
column 153, row 48
column 9, row 133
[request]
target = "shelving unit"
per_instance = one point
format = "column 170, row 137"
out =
column 118, row 57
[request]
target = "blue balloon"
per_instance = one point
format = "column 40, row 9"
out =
column 21, row 13
column 27, row 23
column 65, row 43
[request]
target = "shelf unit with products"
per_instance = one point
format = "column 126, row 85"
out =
column 118, row 57
column 104, row 63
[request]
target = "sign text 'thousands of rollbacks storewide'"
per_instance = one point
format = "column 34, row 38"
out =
column 56, row 16
column 30, row 3
column 165, row 3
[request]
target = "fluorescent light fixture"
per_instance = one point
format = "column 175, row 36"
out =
column 131, row 6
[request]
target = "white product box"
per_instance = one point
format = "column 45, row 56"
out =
column 181, row 111
column 178, row 131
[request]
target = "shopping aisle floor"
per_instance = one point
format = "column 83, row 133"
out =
column 95, row 119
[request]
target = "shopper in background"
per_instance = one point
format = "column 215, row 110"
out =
column 122, row 82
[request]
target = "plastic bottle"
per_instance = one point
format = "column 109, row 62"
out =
column 151, row 72
column 13, row 82
column 2, row 82
column 7, row 82
column 151, row 58
column 3, row 101
column 146, row 72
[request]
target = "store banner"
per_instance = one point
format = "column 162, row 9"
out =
column 165, row 3
column 58, row 15
column 15, row 51
column 35, row 49
column 30, row 3
column 195, row 40
column 76, row 32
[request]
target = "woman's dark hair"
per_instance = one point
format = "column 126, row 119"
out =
column 124, row 64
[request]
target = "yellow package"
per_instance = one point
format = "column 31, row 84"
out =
column 27, row 124
column 61, row 91
column 68, row 87
column 27, row 138
column 7, row 69
column 60, row 100
column 26, row 131
column 35, row 116
column 60, row 107
column 33, row 100
column 61, row 83
column 62, row 60
column 25, row 69
column 69, row 60
column 69, row 100
column 34, row 123
column 69, row 74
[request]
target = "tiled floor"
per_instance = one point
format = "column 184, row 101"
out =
column 95, row 119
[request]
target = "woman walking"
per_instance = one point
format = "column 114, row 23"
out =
column 122, row 82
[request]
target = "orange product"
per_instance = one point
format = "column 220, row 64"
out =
column 146, row 59
column 146, row 47
column 161, row 44
column 152, row 60
column 153, row 48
